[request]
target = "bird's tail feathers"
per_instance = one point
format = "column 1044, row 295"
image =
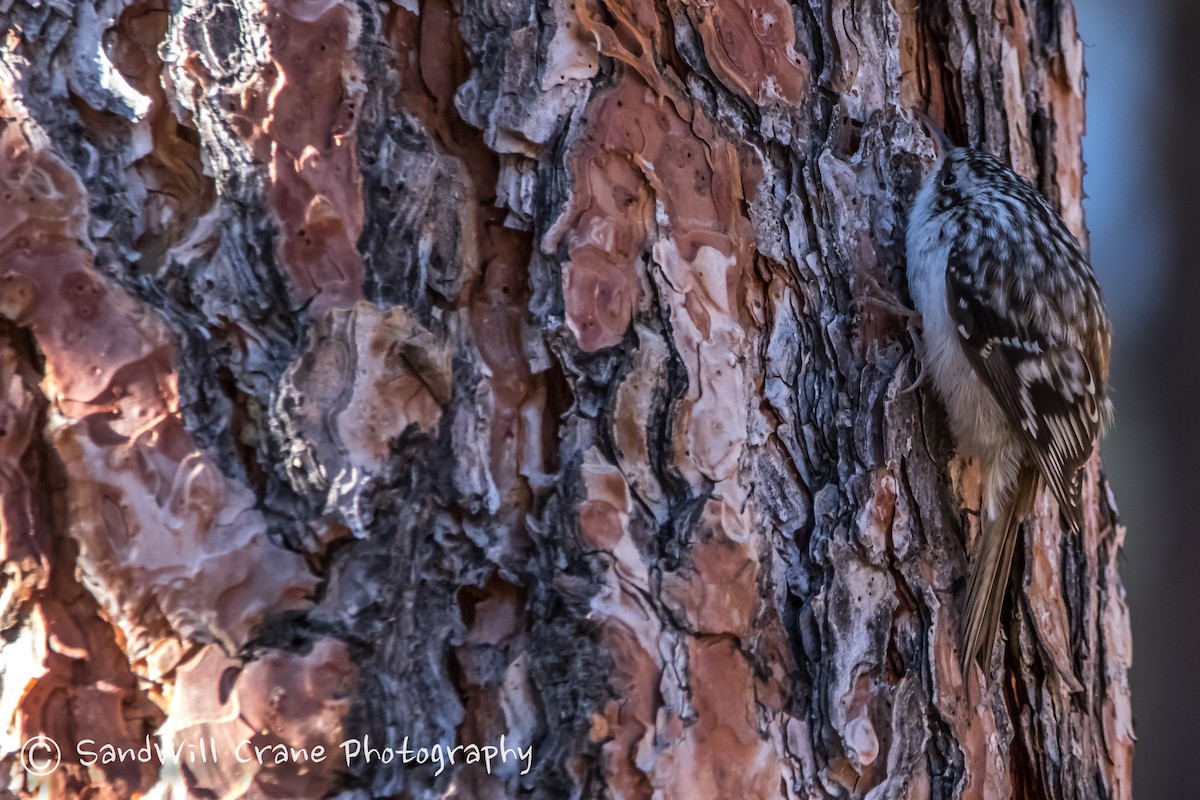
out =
column 988, row 584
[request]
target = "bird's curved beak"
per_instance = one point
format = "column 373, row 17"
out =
column 941, row 142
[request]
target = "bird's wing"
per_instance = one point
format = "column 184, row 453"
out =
column 1040, row 377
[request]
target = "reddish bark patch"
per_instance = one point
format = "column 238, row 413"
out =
column 275, row 724
column 66, row 676
column 627, row 723
column 724, row 750
column 631, row 31
column 749, row 45
column 493, row 671
column 316, row 189
column 718, row 593
column 146, row 506
column 645, row 167
column 177, row 190
column 298, row 115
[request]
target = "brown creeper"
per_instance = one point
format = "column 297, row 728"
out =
column 1016, row 340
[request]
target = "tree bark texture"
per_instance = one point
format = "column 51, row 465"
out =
column 446, row 370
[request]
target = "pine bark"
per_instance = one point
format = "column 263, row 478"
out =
column 435, row 371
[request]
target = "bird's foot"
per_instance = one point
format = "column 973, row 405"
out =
column 875, row 294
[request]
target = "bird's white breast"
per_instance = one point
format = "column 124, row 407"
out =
column 972, row 410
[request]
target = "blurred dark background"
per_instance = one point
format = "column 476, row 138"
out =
column 1143, row 211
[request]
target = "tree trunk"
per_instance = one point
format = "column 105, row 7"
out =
column 432, row 373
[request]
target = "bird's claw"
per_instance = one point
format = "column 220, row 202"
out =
column 918, row 381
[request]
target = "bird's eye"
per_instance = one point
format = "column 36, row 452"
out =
column 949, row 179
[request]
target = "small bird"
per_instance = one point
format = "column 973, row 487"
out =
column 1016, row 340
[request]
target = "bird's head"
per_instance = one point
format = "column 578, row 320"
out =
column 960, row 174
